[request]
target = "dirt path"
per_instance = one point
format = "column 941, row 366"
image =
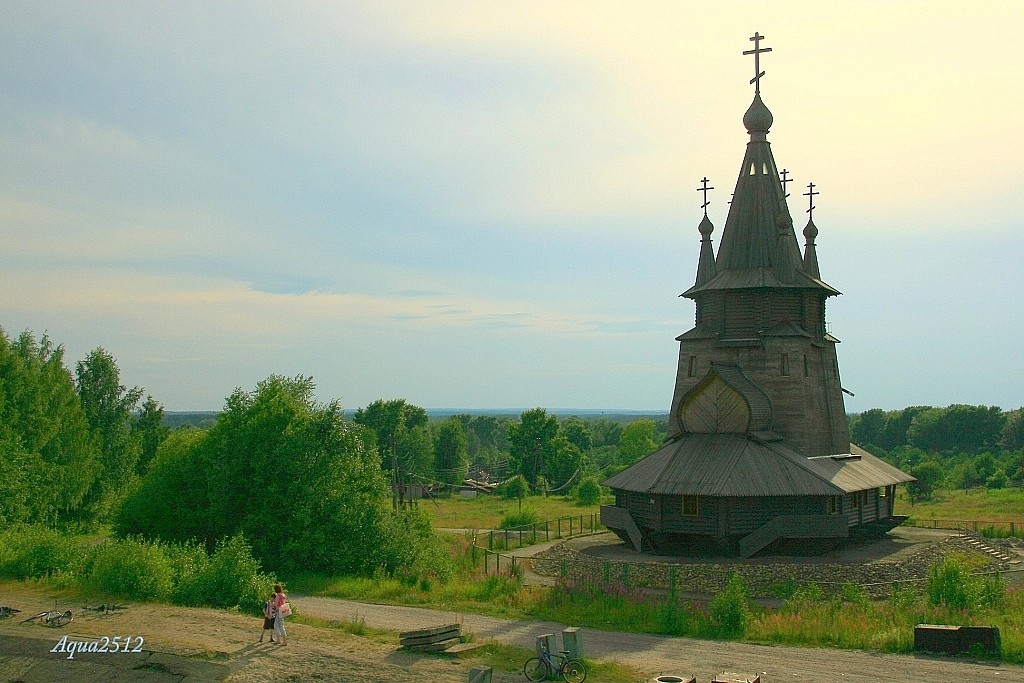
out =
column 654, row 655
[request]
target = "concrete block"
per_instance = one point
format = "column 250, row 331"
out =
column 572, row 642
column 547, row 642
column 480, row 674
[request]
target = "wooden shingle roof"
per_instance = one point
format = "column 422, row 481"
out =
column 738, row 465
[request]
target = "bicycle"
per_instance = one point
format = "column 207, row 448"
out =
column 539, row 668
column 52, row 618
column 104, row 609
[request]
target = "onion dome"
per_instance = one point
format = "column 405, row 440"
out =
column 758, row 118
column 810, row 253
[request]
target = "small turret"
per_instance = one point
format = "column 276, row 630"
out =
column 810, row 232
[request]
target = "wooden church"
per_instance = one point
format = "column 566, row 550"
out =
column 758, row 456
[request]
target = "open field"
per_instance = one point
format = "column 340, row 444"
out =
column 990, row 505
column 485, row 512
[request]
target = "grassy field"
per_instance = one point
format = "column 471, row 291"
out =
column 983, row 505
column 485, row 512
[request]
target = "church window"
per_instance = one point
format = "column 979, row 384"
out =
column 691, row 368
column 858, row 499
column 785, row 365
column 691, row 506
column 764, row 169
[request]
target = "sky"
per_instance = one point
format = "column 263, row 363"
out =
column 493, row 204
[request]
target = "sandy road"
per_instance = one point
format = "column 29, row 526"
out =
column 654, row 655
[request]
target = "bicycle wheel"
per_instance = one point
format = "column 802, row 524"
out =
column 574, row 671
column 535, row 669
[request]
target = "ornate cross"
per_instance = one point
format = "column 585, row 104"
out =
column 810, row 200
column 785, row 180
column 757, row 38
column 704, row 187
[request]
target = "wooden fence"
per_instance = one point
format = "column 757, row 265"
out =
column 988, row 528
column 563, row 527
column 553, row 529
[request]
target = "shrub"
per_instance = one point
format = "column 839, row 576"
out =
column 232, row 577
column 588, row 492
column 30, row 552
column 516, row 487
column 729, row 609
column 132, row 568
column 514, row 520
column 950, row 584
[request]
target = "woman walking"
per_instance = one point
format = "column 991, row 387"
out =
column 278, row 602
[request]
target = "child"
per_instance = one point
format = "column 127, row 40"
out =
column 269, row 613
column 279, row 601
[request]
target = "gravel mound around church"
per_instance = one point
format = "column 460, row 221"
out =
column 902, row 558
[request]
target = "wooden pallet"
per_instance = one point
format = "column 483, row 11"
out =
column 433, row 639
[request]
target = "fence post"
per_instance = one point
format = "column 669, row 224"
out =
column 581, row 525
column 490, row 539
column 497, row 563
column 559, row 527
column 486, row 564
column 547, row 533
column 520, row 538
column 473, row 553
column 534, row 525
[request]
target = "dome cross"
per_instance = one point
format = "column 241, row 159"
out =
column 704, row 187
column 784, row 179
column 756, row 80
column 810, row 194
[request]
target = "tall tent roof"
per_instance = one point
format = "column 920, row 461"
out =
column 759, row 246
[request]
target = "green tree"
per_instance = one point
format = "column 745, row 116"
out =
column 390, row 422
column 637, row 440
column 928, row 475
column 294, row 479
column 606, row 432
column 563, row 464
column 48, row 456
column 896, row 425
column 172, row 501
column 109, row 407
column 578, row 434
column 868, row 428
column 957, row 429
column 415, row 452
column 1012, row 438
column 451, row 446
column 149, row 427
column 532, row 443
